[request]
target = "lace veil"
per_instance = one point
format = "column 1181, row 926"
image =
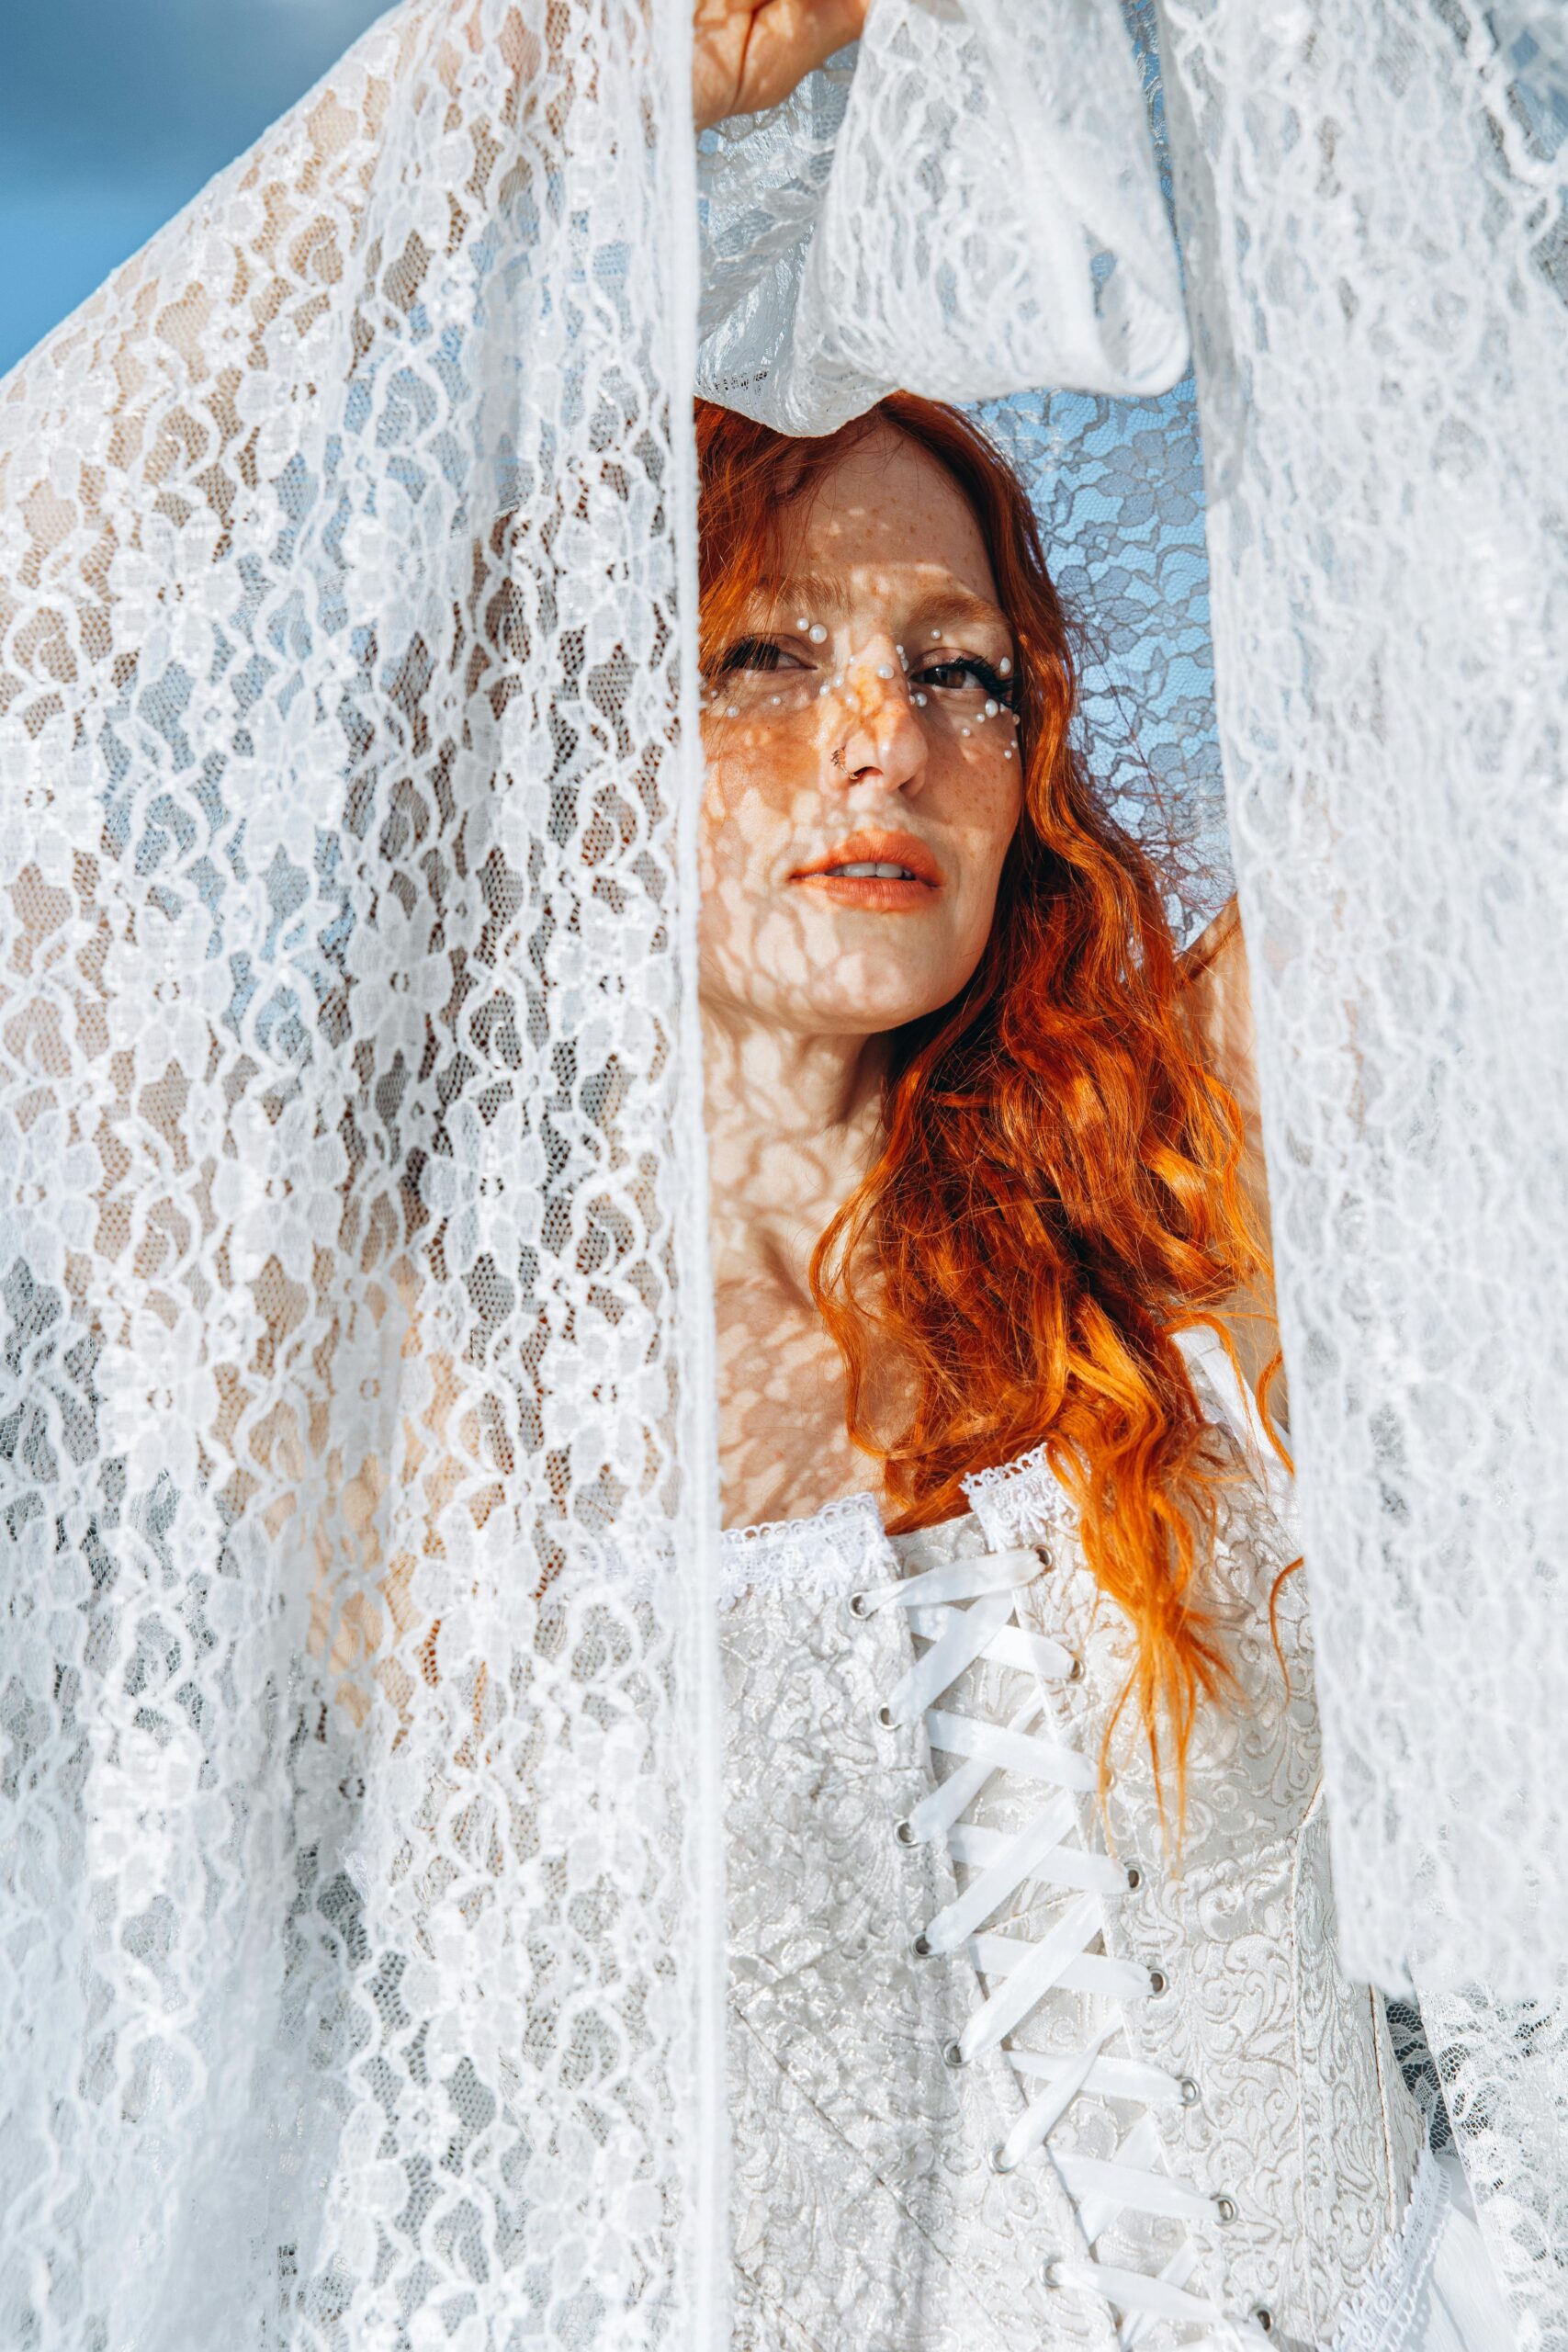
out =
column 361, row 1968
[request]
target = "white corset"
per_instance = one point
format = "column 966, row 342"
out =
column 995, row 2086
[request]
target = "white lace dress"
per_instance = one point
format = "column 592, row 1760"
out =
column 997, row 2082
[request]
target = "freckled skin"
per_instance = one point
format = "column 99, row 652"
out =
column 799, row 989
column 892, row 527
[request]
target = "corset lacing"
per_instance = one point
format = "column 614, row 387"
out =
column 967, row 1612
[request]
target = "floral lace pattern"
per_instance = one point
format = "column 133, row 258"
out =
column 815, row 1560
column 834, row 274
column 353, row 1294
column 1370, row 204
column 363, row 1932
column 1384, row 2316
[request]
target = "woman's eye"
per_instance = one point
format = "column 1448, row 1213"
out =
column 755, row 653
column 967, row 670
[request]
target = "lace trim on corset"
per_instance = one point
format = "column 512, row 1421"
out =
column 1383, row 2316
column 820, row 1557
column 1017, row 1502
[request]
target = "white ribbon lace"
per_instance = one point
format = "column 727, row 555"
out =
column 964, row 1612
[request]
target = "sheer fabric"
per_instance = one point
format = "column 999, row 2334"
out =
column 362, row 1932
column 1373, row 202
column 971, row 210
column 363, row 1944
column 1118, row 485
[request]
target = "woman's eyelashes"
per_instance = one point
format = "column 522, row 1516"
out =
column 964, row 668
column 951, row 673
column 757, row 653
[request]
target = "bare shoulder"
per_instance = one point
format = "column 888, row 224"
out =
column 1219, row 997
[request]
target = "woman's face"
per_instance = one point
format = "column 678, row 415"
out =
column 857, row 720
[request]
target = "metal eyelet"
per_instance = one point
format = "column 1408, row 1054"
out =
column 952, row 2055
column 1189, row 2090
column 860, row 1604
column 1225, row 2207
column 921, row 1946
column 1050, row 2274
column 885, row 1717
column 1076, row 1671
column 1001, row 2160
column 1042, row 1553
column 905, row 1832
column 1134, row 1878
column 1158, row 1982
column 1265, row 2319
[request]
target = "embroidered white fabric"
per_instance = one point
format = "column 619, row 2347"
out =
column 1434, row 2291
column 1372, row 202
column 818, row 1558
column 1493, row 2071
column 1042, row 1936
column 363, row 1935
column 972, row 210
column 362, row 1966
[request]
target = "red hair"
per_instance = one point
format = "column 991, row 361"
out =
column 1058, row 1192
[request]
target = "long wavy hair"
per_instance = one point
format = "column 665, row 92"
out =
column 1058, row 1192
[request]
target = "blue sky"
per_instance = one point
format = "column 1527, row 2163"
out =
column 113, row 113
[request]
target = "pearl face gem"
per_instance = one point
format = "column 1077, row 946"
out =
column 803, row 624
column 884, row 672
column 921, row 700
column 816, row 633
column 936, row 637
column 1005, row 666
column 991, row 709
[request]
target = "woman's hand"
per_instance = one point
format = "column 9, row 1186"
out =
column 748, row 54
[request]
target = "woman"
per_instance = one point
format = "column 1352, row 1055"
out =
column 362, row 1912
column 1038, row 2032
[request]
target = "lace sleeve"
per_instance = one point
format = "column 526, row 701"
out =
column 950, row 207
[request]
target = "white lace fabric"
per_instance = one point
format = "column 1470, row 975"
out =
column 363, row 1946
column 354, row 1274
column 361, row 1979
column 1384, row 613
column 837, row 268
column 1371, row 203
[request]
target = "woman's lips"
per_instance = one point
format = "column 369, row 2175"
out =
column 887, row 873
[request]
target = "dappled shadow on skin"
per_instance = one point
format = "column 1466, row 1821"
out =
column 864, row 786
